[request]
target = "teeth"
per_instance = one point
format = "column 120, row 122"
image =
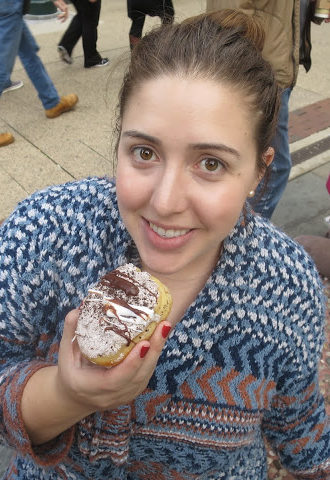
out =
column 167, row 233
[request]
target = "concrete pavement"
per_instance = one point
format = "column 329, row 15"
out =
column 78, row 144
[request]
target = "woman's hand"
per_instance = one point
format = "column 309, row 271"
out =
column 75, row 388
column 100, row 388
column 61, row 5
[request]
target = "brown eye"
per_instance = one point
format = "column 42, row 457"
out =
column 146, row 153
column 143, row 154
column 211, row 164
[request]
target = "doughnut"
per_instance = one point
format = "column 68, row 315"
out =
column 121, row 309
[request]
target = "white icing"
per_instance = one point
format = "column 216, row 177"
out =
column 101, row 316
column 95, row 341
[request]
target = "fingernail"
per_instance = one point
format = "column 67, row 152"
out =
column 144, row 351
column 165, row 330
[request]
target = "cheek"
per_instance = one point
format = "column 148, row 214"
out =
column 131, row 194
column 221, row 209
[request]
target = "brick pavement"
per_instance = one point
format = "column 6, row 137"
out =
column 310, row 119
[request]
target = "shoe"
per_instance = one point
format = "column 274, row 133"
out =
column 6, row 139
column 102, row 63
column 66, row 103
column 13, row 86
column 133, row 41
column 64, row 56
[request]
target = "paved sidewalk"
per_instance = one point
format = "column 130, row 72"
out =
column 78, row 143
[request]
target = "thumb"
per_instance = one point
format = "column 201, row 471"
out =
column 68, row 337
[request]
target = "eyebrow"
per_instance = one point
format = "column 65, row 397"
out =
column 143, row 136
column 195, row 146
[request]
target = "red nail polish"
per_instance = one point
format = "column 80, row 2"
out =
column 165, row 330
column 144, row 351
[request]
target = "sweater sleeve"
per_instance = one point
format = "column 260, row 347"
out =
column 297, row 425
column 26, row 333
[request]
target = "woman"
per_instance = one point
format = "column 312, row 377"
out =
column 240, row 363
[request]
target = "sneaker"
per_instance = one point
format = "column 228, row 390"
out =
column 64, row 56
column 6, row 139
column 13, row 86
column 65, row 104
column 102, row 63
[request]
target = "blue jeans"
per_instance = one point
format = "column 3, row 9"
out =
column 281, row 166
column 16, row 39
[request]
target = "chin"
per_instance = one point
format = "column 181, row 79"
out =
column 161, row 267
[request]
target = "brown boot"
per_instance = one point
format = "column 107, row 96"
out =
column 6, row 139
column 66, row 103
column 133, row 41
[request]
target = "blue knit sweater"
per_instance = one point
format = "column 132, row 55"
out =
column 240, row 366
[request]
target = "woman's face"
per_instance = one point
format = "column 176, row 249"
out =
column 186, row 163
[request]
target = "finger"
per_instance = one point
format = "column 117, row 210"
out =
column 68, row 343
column 158, row 340
column 145, row 355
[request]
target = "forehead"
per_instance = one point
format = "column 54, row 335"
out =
column 195, row 107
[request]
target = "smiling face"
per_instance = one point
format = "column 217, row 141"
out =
column 186, row 163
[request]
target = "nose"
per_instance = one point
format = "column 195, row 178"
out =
column 170, row 192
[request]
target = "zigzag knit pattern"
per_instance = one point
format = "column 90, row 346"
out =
column 240, row 366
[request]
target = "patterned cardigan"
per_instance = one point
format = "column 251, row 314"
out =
column 240, row 366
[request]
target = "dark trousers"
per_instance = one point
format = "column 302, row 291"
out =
column 84, row 25
column 138, row 9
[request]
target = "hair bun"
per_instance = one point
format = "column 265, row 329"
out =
column 249, row 26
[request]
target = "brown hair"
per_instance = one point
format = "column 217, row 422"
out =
column 223, row 46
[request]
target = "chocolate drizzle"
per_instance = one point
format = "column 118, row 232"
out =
column 120, row 283
column 120, row 327
column 117, row 309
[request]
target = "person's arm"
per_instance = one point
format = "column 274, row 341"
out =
column 61, row 5
column 32, row 311
column 57, row 397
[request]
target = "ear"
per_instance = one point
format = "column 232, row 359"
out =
column 267, row 158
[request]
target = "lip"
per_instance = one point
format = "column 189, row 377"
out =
column 164, row 243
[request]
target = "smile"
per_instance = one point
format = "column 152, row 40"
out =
column 170, row 233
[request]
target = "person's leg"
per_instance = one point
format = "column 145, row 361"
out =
column 136, row 29
column 167, row 16
column 281, row 166
column 73, row 32
column 7, row 81
column 135, row 33
column 90, row 14
column 36, row 71
column 11, row 23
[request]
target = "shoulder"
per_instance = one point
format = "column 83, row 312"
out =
column 87, row 191
column 83, row 213
column 71, row 200
column 277, row 285
column 274, row 250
